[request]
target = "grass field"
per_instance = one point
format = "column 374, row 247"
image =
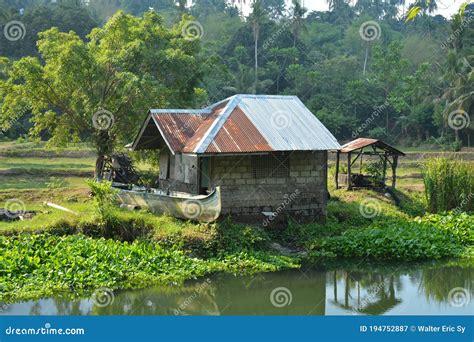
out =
column 34, row 174
column 46, row 171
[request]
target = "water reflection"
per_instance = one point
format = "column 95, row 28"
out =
column 348, row 290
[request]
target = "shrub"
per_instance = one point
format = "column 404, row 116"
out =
column 449, row 184
column 433, row 236
column 104, row 201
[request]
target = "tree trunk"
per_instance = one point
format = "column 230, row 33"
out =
column 104, row 146
column 366, row 58
column 99, row 166
column 256, row 58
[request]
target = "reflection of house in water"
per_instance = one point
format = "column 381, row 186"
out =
column 252, row 295
column 227, row 295
column 363, row 293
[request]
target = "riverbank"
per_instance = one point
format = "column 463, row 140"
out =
column 73, row 255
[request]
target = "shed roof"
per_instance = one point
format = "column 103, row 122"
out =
column 241, row 124
column 360, row 143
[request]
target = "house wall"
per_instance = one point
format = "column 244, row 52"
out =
column 182, row 174
column 302, row 194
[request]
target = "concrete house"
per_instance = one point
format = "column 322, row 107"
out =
column 268, row 154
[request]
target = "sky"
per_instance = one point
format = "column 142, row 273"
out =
column 445, row 7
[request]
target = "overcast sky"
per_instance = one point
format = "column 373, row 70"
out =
column 445, row 7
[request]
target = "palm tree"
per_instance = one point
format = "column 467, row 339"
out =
column 256, row 19
column 459, row 80
column 333, row 4
column 182, row 5
column 428, row 6
column 297, row 21
column 241, row 2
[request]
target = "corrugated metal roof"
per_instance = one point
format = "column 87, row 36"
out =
column 356, row 144
column 205, row 126
column 287, row 124
column 283, row 121
column 245, row 123
column 178, row 127
column 238, row 135
column 365, row 142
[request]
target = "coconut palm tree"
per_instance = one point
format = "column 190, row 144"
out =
column 297, row 25
column 241, row 2
column 427, row 6
column 256, row 18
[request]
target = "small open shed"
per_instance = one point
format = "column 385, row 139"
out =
column 356, row 150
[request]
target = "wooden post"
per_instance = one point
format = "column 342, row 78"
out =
column 394, row 171
column 349, row 185
column 384, row 168
column 337, row 169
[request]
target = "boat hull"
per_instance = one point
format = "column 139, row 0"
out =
column 194, row 208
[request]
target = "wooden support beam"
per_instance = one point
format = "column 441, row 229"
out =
column 349, row 185
column 338, row 154
column 384, row 168
column 394, row 171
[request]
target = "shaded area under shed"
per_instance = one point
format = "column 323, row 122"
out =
column 355, row 151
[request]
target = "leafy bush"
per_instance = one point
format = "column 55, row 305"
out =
column 394, row 242
column 461, row 226
column 80, row 264
column 434, row 236
column 449, row 184
column 104, row 201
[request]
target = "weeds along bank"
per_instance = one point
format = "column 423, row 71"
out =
column 73, row 256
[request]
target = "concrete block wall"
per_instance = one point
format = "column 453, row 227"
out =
column 302, row 195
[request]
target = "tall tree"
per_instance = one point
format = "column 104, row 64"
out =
column 256, row 18
column 102, row 88
column 297, row 20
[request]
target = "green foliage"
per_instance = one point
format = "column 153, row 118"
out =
column 461, row 226
column 129, row 65
column 432, row 237
column 449, row 184
column 234, row 237
column 104, row 199
column 81, row 264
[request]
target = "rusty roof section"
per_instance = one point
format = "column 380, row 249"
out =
column 203, row 128
column 178, row 127
column 238, row 135
column 243, row 124
column 360, row 143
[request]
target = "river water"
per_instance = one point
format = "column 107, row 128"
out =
column 349, row 288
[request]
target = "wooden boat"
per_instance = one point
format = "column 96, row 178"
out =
column 201, row 208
